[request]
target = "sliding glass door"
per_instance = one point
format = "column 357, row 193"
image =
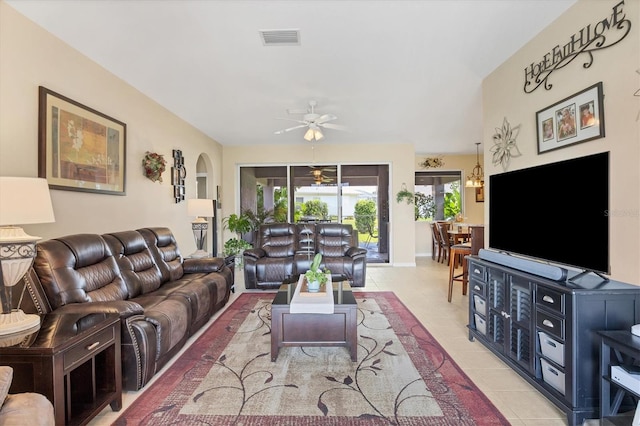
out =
column 353, row 194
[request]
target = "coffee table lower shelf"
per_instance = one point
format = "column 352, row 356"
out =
column 337, row 329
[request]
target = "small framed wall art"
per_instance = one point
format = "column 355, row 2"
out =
column 578, row 118
column 79, row 148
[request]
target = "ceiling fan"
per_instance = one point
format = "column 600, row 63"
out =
column 318, row 174
column 313, row 121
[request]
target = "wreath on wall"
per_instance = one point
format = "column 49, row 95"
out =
column 153, row 164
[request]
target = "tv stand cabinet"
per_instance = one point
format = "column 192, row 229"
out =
column 546, row 330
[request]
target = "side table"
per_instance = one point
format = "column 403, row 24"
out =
column 626, row 349
column 73, row 360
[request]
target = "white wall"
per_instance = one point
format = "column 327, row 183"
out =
column 616, row 67
column 31, row 57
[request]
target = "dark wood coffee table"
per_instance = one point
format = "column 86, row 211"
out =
column 301, row 329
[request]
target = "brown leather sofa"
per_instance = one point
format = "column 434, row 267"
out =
column 286, row 249
column 161, row 298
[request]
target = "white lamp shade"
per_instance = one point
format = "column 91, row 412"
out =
column 200, row 207
column 24, row 201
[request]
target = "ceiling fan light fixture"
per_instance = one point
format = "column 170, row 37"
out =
column 318, row 134
column 309, row 135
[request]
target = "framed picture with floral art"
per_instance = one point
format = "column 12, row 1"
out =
column 79, row 148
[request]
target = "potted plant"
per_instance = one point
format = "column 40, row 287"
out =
column 238, row 224
column 315, row 276
column 256, row 219
column 405, row 195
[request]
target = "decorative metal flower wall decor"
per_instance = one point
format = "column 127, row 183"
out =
column 432, row 163
column 504, row 144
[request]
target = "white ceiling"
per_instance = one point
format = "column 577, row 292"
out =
column 392, row 71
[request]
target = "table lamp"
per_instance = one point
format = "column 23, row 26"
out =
column 201, row 208
column 22, row 201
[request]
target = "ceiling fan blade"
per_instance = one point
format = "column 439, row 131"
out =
column 333, row 126
column 326, row 117
column 279, row 132
column 292, row 119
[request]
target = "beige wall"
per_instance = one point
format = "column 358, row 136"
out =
column 616, row 67
column 399, row 156
column 31, row 57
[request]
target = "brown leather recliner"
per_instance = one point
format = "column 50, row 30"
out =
column 284, row 249
column 161, row 298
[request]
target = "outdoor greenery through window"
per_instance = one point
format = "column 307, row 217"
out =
column 437, row 195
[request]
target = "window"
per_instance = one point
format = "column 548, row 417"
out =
column 438, row 195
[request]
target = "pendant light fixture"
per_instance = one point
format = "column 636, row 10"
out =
column 476, row 178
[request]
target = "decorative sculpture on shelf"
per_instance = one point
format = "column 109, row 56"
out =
column 153, row 165
column 504, row 144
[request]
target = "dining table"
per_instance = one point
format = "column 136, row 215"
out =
column 459, row 236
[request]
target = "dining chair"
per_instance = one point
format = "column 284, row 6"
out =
column 436, row 250
column 460, row 251
column 445, row 240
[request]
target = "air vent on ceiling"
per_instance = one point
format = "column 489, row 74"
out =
column 280, row 37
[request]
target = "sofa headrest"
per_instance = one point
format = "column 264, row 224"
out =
column 88, row 249
column 163, row 236
column 132, row 242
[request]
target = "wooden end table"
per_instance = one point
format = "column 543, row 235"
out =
column 73, row 360
column 298, row 329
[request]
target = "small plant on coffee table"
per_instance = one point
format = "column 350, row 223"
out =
column 315, row 274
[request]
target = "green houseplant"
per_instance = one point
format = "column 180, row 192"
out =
column 315, row 276
column 238, row 224
column 404, row 195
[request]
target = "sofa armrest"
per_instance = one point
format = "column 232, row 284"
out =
column 354, row 252
column 124, row 308
column 207, row 264
column 255, row 253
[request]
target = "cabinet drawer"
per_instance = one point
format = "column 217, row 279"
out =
column 551, row 348
column 478, row 287
column 550, row 324
column 550, row 299
column 477, row 271
column 552, row 376
column 480, row 305
column 89, row 347
column 481, row 324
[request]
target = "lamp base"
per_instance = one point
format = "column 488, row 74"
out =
column 17, row 321
column 198, row 254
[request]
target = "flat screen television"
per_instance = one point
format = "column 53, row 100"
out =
column 555, row 212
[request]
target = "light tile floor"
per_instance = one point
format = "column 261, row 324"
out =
column 423, row 289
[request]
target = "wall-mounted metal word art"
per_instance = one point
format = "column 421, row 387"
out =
column 589, row 39
column 178, row 173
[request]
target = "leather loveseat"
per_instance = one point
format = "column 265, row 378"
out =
column 285, row 249
column 162, row 299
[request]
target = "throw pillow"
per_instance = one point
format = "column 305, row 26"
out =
column 6, row 376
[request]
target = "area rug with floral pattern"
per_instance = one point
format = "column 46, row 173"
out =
column 226, row 377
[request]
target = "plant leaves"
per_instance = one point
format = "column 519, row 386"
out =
column 347, row 380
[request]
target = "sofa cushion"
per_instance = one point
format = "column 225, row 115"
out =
column 138, row 267
column 333, row 240
column 278, row 241
column 77, row 269
column 165, row 252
